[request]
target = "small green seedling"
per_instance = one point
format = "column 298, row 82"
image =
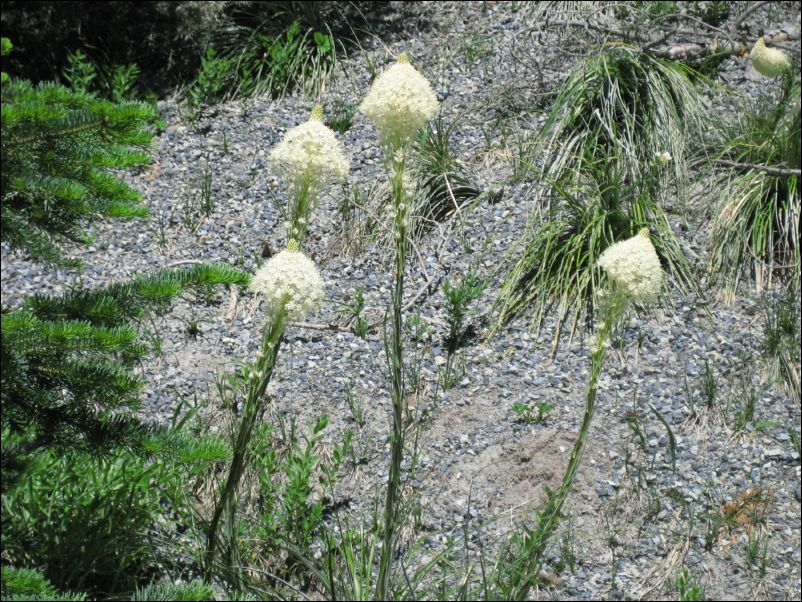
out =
column 532, row 415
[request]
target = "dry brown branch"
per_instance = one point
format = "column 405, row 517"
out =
column 769, row 169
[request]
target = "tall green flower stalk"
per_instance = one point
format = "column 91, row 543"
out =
column 635, row 274
column 255, row 402
column 293, row 288
column 399, row 103
column 310, row 157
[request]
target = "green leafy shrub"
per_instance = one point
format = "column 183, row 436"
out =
column 86, row 522
column 116, row 83
column 214, row 80
column 28, row 584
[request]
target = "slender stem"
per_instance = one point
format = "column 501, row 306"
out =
column 549, row 518
column 254, row 406
column 396, row 375
column 304, row 195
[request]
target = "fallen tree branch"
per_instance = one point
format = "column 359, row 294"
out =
column 737, row 23
column 769, row 169
column 717, row 46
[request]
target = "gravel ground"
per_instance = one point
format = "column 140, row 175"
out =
column 636, row 518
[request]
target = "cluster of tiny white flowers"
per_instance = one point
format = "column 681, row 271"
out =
column 400, row 102
column 311, row 150
column 634, row 266
column 663, row 158
column 769, row 61
column 292, row 279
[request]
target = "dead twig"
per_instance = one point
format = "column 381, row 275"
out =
column 769, row 169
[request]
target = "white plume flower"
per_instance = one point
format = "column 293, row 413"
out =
column 769, row 61
column 634, row 266
column 663, row 158
column 399, row 103
column 311, row 150
column 292, row 279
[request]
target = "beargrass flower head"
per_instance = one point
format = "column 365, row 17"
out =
column 399, row 103
column 634, row 266
column 770, row 62
column 290, row 279
column 311, row 152
column 663, row 158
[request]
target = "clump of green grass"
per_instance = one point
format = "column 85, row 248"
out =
column 442, row 191
column 341, row 115
column 602, row 179
column 443, row 187
column 755, row 231
column 624, row 103
column 253, row 55
column 557, row 272
column 781, row 342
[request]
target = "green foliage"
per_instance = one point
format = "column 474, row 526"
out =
column 713, row 13
column 104, row 524
column 169, row 592
column 443, row 187
column 613, row 117
column 86, row 522
column 60, row 148
column 249, row 60
column 639, row 13
column 341, row 116
column 688, row 587
column 459, row 297
column 527, row 413
column 213, row 82
column 121, row 82
column 116, row 83
column 66, row 362
column 755, row 231
column 742, row 405
column 206, row 202
column 781, row 342
column 287, row 513
column 709, row 386
column 353, row 311
column 28, row 584
column 80, row 72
